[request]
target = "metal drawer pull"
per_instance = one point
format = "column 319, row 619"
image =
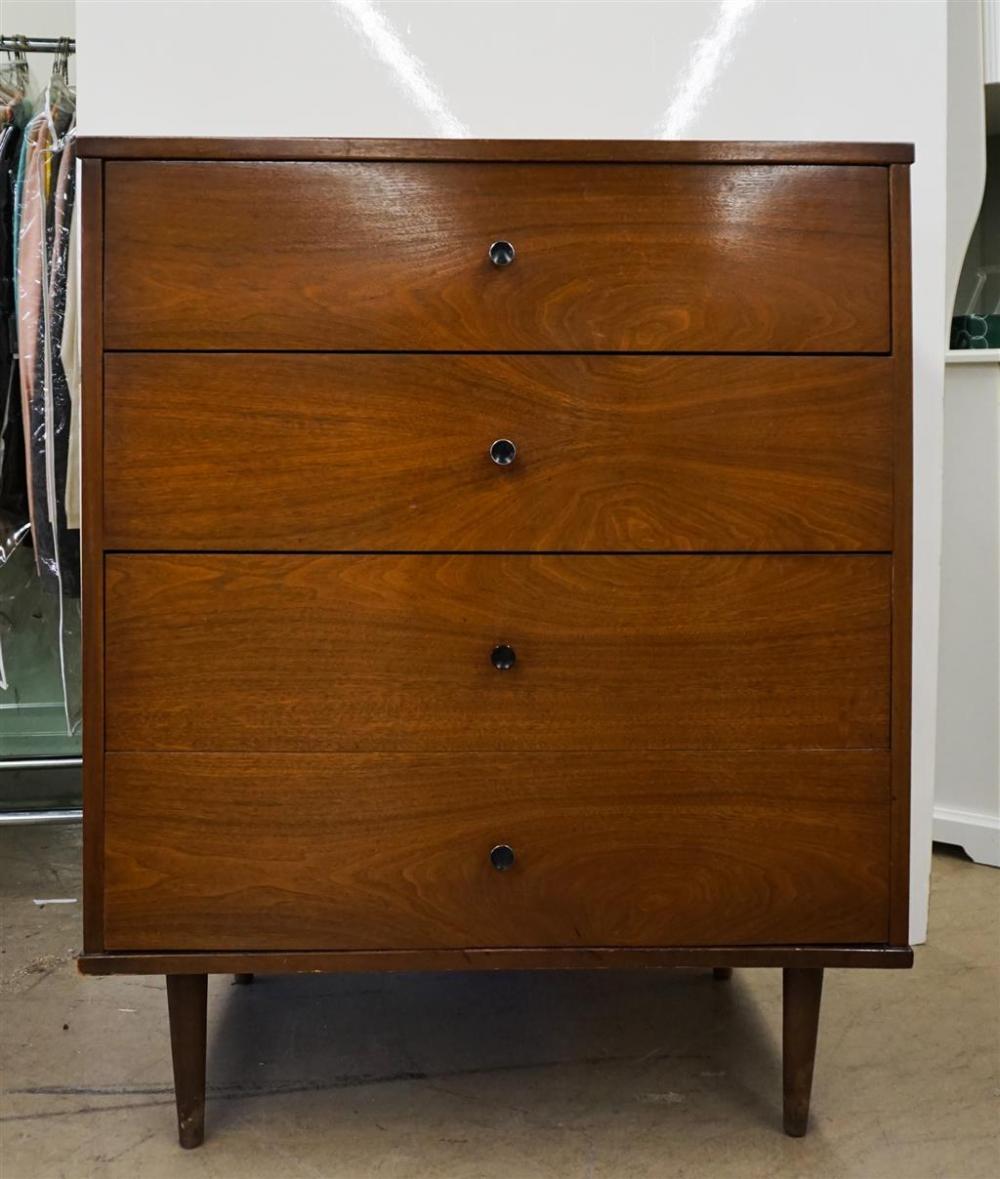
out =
column 503, row 657
column 502, row 253
column 503, row 452
column 502, row 857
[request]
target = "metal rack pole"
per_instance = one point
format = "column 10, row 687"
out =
column 37, row 44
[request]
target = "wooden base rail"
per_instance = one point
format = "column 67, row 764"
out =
column 598, row 958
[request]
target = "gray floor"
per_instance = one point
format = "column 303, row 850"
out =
column 506, row 1076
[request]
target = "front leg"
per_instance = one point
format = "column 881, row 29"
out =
column 187, row 1002
column 802, row 988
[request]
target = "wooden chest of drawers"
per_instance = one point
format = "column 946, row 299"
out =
column 497, row 556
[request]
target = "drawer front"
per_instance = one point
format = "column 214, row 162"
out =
column 300, row 653
column 350, row 452
column 392, row 851
column 645, row 258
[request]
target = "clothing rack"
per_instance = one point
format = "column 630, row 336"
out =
column 38, row 44
column 39, row 418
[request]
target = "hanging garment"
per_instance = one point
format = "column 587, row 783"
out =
column 70, row 355
column 36, row 225
column 13, row 480
column 46, row 210
column 30, row 246
column 50, row 374
column 18, row 195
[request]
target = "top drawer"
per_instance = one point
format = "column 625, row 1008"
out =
column 394, row 256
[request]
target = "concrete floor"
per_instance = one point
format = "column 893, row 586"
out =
column 498, row 1076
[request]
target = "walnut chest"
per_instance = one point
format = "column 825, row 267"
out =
column 497, row 556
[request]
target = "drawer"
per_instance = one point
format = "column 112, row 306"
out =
column 392, row 851
column 609, row 257
column 379, row 451
column 396, row 652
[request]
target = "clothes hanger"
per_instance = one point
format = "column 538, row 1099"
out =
column 60, row 97
column 14, row 76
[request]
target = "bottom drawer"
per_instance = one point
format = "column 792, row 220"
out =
column 392, row 851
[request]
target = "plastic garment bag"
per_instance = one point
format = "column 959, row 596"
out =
column 43, row 201
column 14, row 527
column 14, row 112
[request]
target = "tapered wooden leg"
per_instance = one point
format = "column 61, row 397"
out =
column 722, row 973
column 803, row 989
column 242, row 980
column 187, row 1000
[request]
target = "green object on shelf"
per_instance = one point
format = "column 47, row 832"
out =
column 975, row 331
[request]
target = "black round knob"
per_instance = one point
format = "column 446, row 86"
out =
column 502, row 857
column 501, row 253
column 503, row 452
column 503, row 657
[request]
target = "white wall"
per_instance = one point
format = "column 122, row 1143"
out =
column 991, row 41
column 967, row 793
column 736, row 69
column 967, row 778
column 966, row 154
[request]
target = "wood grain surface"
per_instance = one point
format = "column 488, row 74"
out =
column 381, row 851
column 700, row 760
column 359, row 256
column 611, row 151
column 300, row 653
column 355, row 452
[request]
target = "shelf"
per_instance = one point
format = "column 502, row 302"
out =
column 972, row 356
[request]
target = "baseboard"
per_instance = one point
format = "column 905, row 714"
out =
column 978, row 834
